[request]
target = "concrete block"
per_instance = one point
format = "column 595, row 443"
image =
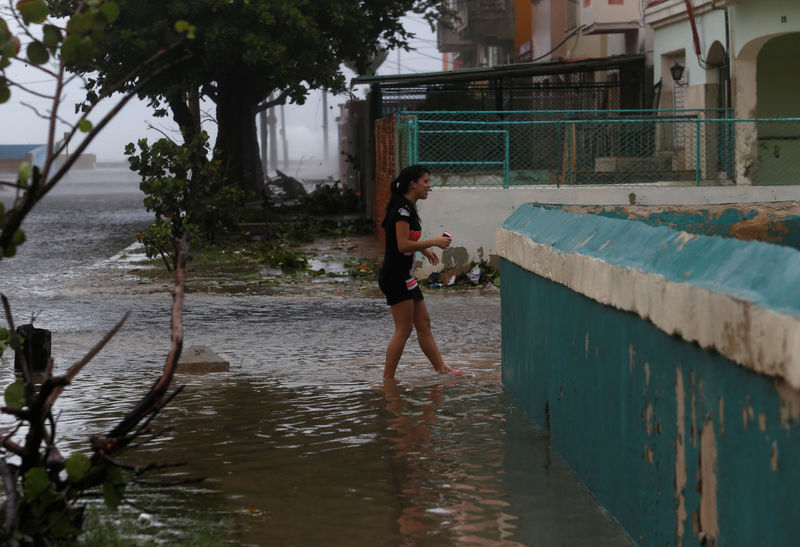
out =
column 84, row 161
column 201, row 360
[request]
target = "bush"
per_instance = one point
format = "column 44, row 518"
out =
column 186, row 191
column 329, row 199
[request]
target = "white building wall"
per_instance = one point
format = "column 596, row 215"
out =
column 755, row 20
column 678, row 38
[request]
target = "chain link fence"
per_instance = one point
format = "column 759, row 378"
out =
column 701, row 147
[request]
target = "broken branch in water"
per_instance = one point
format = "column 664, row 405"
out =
column 153, row 398
column 39, row 455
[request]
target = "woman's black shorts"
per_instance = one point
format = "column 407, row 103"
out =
column 398, row 289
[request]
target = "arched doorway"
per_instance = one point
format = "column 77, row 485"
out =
column 777, row 82
column 764, row 80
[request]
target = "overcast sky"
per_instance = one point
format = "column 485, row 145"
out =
column 20, row 125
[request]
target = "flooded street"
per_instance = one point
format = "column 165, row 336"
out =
column 301, row 443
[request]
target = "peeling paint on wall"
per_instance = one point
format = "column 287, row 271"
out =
column 747, row 414
column 707, row 485
column 454, row 256
column 680, row 454
column 773, row 458
column 789, row 403
column 777, row 222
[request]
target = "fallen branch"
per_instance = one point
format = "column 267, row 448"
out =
column 12, row 498
column 153, row 398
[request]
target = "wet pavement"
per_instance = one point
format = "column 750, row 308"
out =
column 301, row 442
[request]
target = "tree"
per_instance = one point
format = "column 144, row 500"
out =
column 246, row 51
column 49, row 48
column 41, row 488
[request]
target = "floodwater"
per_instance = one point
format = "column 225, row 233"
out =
column 301, row 443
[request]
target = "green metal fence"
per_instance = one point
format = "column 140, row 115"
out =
column 506, row 148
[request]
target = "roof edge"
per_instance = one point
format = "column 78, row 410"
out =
column 517, row 69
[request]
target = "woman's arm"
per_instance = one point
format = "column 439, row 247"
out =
column 405, row 245
column 431, row 256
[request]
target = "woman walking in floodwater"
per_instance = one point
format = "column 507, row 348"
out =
column 396, row 278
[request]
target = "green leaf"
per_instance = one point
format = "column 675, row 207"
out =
column 85, row 50
column 111, row 495
column 10, row 251
column 69, row 49
column 37, row 53
column 85, row 125
column 3, row 24
column 15, row 395
column 19, row 237
column 63, row 527
column 5, row 94
column 115, row 476
column 51, row 35
column 35, row 483
column 181, row 26
column 33, row 11
column 110, row 11
column 24, row 172
column 8, row 48
column 77, row 465
column 80, row 23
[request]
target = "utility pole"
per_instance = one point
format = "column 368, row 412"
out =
column 285, row 141
column 272, row 120
column 325, row 122
column 262, row 122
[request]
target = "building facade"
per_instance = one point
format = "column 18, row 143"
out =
column 732, row 54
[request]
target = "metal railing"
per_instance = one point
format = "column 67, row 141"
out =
column 507, row 148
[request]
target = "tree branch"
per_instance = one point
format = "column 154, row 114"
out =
column 12, row 499
column 76, row 368
column 15, row 343
column 154, row 396
column 281, row 99
column 102, row 123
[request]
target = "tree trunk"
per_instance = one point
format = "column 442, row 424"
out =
column 237, row 138
column 184, row 115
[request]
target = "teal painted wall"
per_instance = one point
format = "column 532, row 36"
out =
column 781, row 227
column 606, row 384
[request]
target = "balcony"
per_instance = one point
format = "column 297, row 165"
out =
column 610, row 17
column 487, row 21
column 449, row 41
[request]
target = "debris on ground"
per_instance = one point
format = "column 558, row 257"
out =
column 474, row 275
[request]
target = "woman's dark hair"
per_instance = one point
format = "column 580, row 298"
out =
column 401, row 184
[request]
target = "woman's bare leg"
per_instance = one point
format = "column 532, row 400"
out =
column 403, row 315
column 422, row 322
